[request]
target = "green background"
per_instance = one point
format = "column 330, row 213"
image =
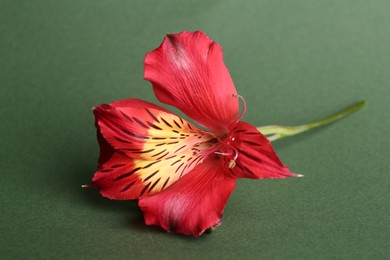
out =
column 293, row 61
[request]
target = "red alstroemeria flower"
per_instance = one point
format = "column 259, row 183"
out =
column 182, row 175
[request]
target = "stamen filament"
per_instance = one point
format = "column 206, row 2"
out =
column 224, row 154
column 232, row 162
column 229, row 154
column 243, row 108
column 276, row 132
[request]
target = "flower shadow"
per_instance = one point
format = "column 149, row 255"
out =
column 81, row 173
column 131, row 217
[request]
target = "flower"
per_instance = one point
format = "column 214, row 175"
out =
column 182, row 175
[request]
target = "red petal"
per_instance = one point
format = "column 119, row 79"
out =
column 144, row 148
column 187, row 71
column 256, row 157
column 109, row 182
column 117, row 122
column 106, row 150
column 193, row 204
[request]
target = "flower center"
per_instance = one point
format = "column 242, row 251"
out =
column 226, row 145
column 226, row 149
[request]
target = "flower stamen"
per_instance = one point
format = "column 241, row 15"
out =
column 243, row 108
column 232, row 162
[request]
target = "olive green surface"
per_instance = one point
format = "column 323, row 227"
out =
column 293, row 61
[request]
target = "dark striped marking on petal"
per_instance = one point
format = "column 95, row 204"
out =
column 127, row 174
column 117, row 165
column 127, row 117
column 158, row 138
column 145, row 188
column 251, row 156
column 162, row 156
column 175, row 162
column 133, row 134
column 145, row 151
column 121, row 140
column 178, row 168
column 157, row 154
column 151, row 175
column 250, row 142
column 177, row 124
column 168, row 124
column 180, row 148
column 170, row 157
column 127, row 187
column 140, row 122
column 165, row 183
column 150, row 164
column 154, row 184
column 152, row 116
column 153, row 125
column 176, row 142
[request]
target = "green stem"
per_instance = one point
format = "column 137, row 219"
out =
column 275, row 132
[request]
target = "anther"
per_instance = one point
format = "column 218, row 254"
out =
column 231, row 164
